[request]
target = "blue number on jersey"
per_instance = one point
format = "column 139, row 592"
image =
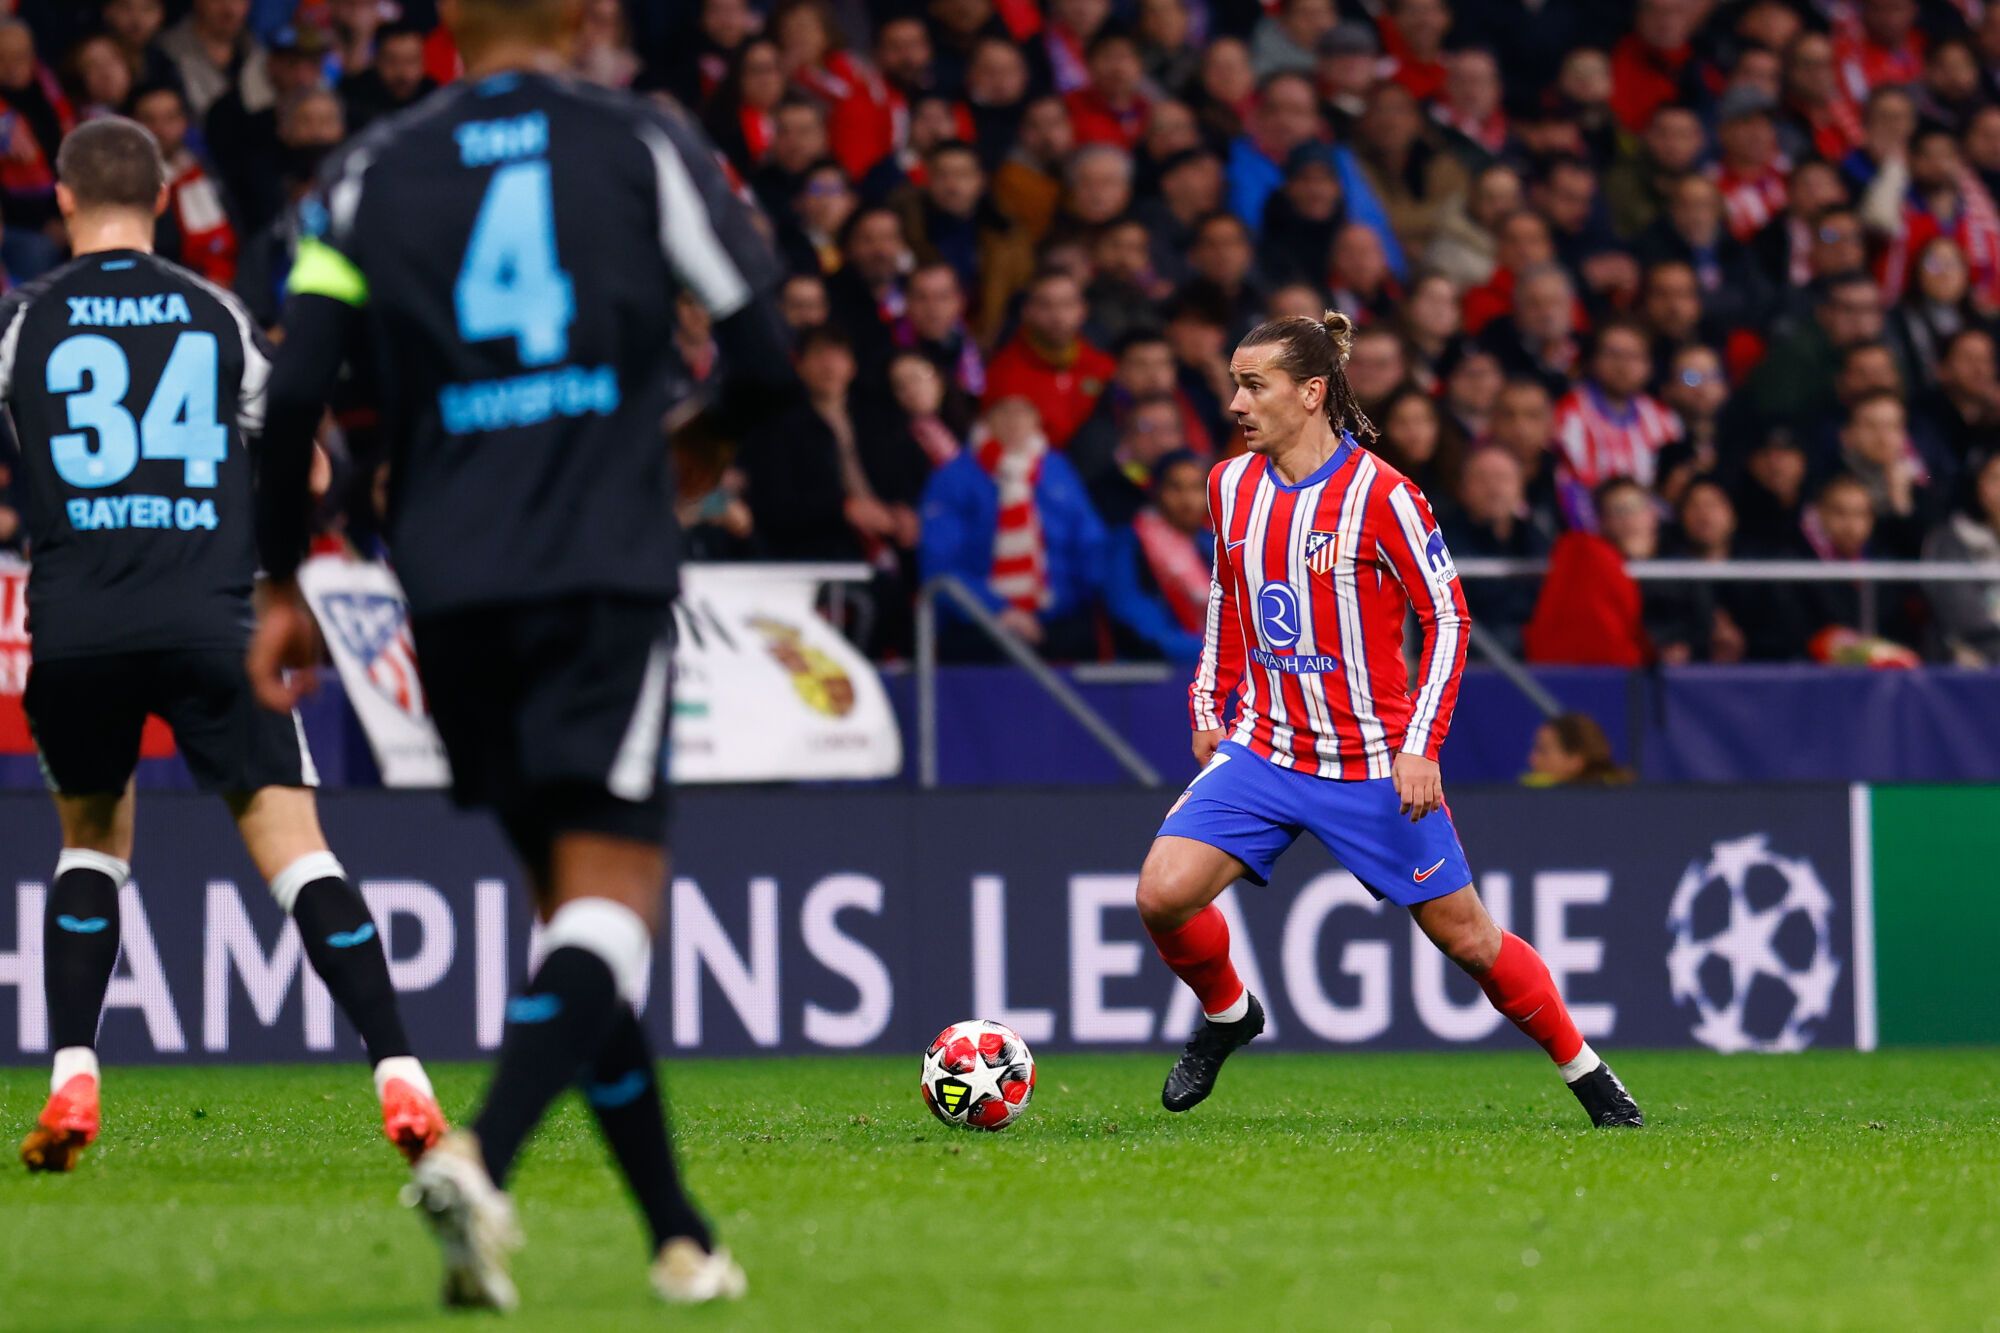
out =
column 179, row 424
column 511, row 284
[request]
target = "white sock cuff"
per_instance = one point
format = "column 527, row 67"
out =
column 1234, row 1013
column 82, row 858
column 612, row 931
column 285, row 885
column 71, row 1061
column 405, row 1067
column 1585, row 1061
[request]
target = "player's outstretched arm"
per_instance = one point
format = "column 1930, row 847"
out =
column 1410, row 542
column 1220, row 666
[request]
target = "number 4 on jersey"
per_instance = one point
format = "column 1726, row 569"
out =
column 511, row 284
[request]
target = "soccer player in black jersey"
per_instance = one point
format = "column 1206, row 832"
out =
column 135, row 390
column 502, row 263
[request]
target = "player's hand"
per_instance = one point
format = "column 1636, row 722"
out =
column 1205, row 743
column 286, row 640
column 1418, row 785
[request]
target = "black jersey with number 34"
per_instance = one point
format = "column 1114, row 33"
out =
column 133, row 386
column 515, row 247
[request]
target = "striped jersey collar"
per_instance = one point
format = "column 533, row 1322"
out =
column 1340, row 455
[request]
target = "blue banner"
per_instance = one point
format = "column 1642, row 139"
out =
column 868, row 920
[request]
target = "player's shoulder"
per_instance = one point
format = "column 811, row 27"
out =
column 1386, row 481
column 50, row 284
column 1229, row 473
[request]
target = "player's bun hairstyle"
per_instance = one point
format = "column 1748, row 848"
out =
column 112, row 163
column 1318, row 349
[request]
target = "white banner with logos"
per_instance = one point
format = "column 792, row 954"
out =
column 765, row 690
column 365, row 621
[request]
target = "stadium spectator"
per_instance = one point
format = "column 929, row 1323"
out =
column 1670, row 308
column 39, row 115
column 1166, row 45
column 1302, row 218
column 1637, row 186
column 1067, row 32
column 1471, row 389
column 1590, row 611
column 1656, row 63
column 1149, row 431
column 1491, row 520
column 395, row 79
column 1936, row 306
column 1818, row 118
column 798, row 144
column 256, row 166
column 1097, row 191
column 1287, row 40
column 1696, row 391
column 1466, row 245
column 1344, row 72
column 1123, row 292
column 1700, row 622
column 1360, row 279
column 1377, row 370
column 996, row 97
column 1111, row 108
column 1566, row 196
column 136, row 25
column 1028, row 185
column 1734, row 292
column 1876, row 449
column 310, row 125
column 951, row 221
column 920, row 394
column 933, row 325
column 1750, row 172
column 1524, row 425
column 1968, row 614
column 1146, row 369
column 1964, row 407
column 812, row 50
column 1471, row 114
column 1201, row 363
column 741, row 115
column 802, row 302
column 1410, row 172
column 1571, row 750
column 1796, row 376
column 1171, row 129
column 1010, row 519
column 1413, row 33
column 828, row 480
column 1788, row 246
column 1525, row 243
column 1609, row 426
column 1048, row 363
column 1287, row 116
column 1430, row 322
column 1222, row 269
column 1413, row 441
column 809, row 237
column 1539, row 339
column 1157, row 569
column 195, row 230
column 214, row 52
column 100, row 79
column 867, row 292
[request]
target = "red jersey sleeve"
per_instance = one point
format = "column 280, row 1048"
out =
column 1414, row 548
column 1221, row 665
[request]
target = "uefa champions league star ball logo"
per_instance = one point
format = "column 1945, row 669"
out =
column 1752, row 948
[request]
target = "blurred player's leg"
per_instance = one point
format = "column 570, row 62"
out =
column 624, row 1094
column 1177, row 890
column 280, row 826
column 79, row 949
column 1519, row 985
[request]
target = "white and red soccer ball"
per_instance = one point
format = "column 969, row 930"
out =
column 978, row 1075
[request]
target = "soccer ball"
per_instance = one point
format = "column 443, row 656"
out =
column 978, row 1075
column 1752, row 948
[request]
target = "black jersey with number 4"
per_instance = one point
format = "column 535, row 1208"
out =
column 516, row 247
column 133, row 386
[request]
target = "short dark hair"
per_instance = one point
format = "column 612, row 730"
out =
column 824, row 335
column 400, row 28
column 112, row 163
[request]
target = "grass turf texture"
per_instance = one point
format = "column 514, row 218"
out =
column 1313, row 1192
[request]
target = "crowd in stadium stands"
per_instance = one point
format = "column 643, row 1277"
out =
column 1636, row 279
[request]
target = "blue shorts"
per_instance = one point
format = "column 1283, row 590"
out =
column 1247, row 806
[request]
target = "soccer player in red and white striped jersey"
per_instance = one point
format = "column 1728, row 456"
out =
column 1609, row 426
column 1321, row 550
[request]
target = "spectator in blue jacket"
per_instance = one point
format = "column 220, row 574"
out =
column 1157, row 575
column 1010, row 518
column 1286, row 117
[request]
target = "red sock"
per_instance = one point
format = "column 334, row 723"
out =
column 1198, row 953
column 1522, row 989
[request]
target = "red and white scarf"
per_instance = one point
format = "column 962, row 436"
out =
column 1020, row 573
column 1184, row 576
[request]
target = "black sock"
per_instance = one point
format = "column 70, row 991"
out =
column 346, row 950
column 554, row 1029
column 79, row 949
column 624, row 1095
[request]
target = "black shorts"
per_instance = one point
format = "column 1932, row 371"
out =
column 555, row 713
column 87, row 714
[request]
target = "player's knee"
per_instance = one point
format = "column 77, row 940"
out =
column 1473, row 945
column 1163, row 905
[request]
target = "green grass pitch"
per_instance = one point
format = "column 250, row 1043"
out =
column 1826, row 1191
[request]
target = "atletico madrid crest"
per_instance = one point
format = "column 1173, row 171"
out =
column 1322, row 549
